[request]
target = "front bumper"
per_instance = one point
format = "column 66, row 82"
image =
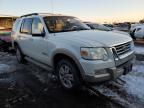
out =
column 108, row 71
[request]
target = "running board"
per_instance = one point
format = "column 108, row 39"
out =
column 48, row 68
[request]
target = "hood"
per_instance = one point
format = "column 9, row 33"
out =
column 93, row 37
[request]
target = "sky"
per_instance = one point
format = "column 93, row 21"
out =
column 87, row 10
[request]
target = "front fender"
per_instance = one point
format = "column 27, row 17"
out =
column 70, row 54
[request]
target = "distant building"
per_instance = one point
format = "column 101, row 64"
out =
column 6, row 21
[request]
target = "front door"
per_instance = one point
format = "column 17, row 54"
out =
column 39, row 41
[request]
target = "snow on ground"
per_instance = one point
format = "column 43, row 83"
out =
column 135, row 86
column 134, row 82
column 139, row 49
column 128, row 90
column 7, row 67
column 3, row 67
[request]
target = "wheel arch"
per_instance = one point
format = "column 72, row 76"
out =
column 67, row 55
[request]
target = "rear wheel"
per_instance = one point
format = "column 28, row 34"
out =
column 68, row 74
column 19, row 55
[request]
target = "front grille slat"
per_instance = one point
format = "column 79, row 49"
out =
column 124, row 51
column 123, row 48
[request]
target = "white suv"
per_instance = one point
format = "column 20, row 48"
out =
column 138, row 32
column 67, row 47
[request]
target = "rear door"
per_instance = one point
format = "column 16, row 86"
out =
column 25, row 36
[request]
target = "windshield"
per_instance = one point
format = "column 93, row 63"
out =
column 57, row 24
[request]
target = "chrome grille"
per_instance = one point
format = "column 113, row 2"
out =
column 123, row 48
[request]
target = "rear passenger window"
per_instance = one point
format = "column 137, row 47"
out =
column 26, row 26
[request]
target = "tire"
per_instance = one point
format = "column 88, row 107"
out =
column 68, row 75
column 19, row 55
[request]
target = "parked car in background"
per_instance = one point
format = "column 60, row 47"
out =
column 108, row 25
column 122, row 26
column 138, row 32
column 133, row 29
column 69, row 48
column 134, row 25
column 1, row 28
column 6, row 21
column 5, row 39
column 96, row 26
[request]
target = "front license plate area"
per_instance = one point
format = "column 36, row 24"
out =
column 127, row 68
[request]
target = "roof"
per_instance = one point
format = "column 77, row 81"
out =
column 50, row 14
column 43, row 14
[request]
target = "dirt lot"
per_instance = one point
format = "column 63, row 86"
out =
column 27, row 86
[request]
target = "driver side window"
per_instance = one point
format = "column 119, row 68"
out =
column 37, row 27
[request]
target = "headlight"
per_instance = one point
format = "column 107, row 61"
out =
column 94, row 54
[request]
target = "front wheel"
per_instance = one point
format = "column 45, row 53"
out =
column 68, row 74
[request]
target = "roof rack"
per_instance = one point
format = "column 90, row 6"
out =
column 29, row 14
